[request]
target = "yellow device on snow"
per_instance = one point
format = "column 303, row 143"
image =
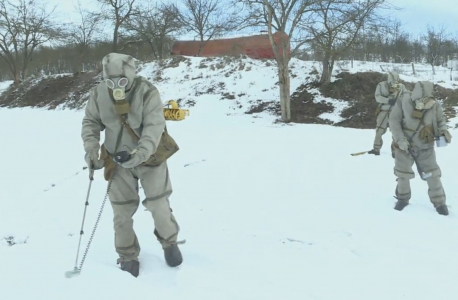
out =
column 174, row 112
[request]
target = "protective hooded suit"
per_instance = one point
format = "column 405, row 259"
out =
column 416, row 122
column 386, row 94
column 123, row 96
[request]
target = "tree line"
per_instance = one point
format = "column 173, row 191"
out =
column 33, row 44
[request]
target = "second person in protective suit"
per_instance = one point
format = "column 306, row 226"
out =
column 386, row 94
column 417, row 121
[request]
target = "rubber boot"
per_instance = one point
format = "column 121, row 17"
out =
column 401, row 204
column 172, row 255
column 131, row 266
column 442, row 210
column 375, row 152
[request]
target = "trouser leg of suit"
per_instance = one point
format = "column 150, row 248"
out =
column 382, row 125
column 403, row 163
column 428, row 164
column 158, row 188
column 124, row 200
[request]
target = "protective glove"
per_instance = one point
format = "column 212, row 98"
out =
column 93, row 161
column 138, row 157
column 448, row 136
column 391, row 101
column 403, row 144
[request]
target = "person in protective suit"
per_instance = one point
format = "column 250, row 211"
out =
column 417, row 121
column 124, row 105
column 386, row 94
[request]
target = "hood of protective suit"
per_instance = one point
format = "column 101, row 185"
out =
column 422, row 95
column 393, row 78
column 116, row 65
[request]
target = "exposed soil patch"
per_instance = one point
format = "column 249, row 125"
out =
column 70, row 91
column 358, row 90
column 272, row 107
column 303, row 107
column 305, row 110
column 449, row 99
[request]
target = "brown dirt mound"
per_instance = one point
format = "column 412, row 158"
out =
column 449, row 99
column 358, row 90
column 305, row 110
column 272, row 107
column 67, row 90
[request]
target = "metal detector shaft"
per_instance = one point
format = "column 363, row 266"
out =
column 91, row 178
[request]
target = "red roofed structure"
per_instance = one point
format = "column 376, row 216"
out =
column 255, row 46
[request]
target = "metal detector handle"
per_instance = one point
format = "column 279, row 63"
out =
column 122, row 156
column 91, row 172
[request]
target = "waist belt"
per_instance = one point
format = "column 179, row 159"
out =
column 411, row 130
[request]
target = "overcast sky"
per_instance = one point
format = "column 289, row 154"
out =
column 415, row 14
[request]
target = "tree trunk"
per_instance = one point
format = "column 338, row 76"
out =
column 115, row 38
column 284, row 81
column 327, row 69
column 201, row 45
column 17, row 76
column 160, row 47
column 80, row 63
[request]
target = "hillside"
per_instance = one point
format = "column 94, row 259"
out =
column 250, row 87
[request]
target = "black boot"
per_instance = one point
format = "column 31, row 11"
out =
column 442, row 210
column 172, row 255
column 375, row 152
column 131, row 266
column 401, row 204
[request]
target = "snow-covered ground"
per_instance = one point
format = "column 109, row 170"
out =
column 269, row 211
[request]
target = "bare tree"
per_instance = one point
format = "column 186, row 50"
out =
column 207, row 19
column 336, row 27
column 435, row 40
column 23, row 27
column 288, row 18
column 154, row 25
column 402, row 47
column 83, row 34
column 118, row 12
column 418, row 50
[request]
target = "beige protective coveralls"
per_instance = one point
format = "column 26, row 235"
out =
column 146, row 118
column 418, row 128
column 383, row 93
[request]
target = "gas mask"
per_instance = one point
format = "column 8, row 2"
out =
column 117, row 85
column 421, row 105
column 424, row 103
column 394, row 87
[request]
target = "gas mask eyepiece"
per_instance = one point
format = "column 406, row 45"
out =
column 118, row 87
